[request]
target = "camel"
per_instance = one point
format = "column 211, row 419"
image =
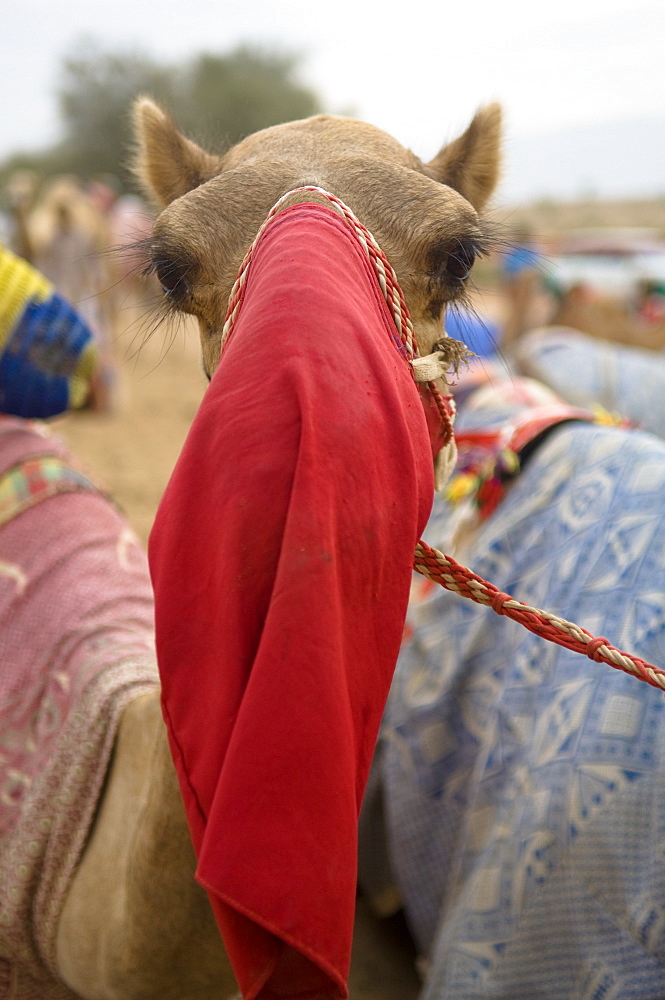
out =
column 64, row 234
column 607, row 318
column 134, row 923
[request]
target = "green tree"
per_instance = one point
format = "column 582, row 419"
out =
column 95, row 94
column 216, row 99
column 225, row 98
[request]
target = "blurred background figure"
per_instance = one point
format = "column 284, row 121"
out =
column 83, row 238
column 609, row 282
column 20, row 194
column 69, row 233
column 520, row 281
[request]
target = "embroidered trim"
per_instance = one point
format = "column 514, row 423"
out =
column 37, row 479
column 488, row 460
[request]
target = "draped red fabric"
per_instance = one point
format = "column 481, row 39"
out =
column 281, row 558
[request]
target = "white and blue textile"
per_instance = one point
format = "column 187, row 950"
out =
column 524, row 785
column 585, row 370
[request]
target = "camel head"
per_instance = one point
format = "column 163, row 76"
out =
column 425, row 216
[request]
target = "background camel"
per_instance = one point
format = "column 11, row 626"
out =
column 607, row 318
column 65, row 235
column 78, row 235
column 134, row 923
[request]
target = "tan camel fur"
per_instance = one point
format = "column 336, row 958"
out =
column 135, row 925
column 213, row 206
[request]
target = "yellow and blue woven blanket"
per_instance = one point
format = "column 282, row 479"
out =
column 48, row 355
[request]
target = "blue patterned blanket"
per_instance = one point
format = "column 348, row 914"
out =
column 524, row 785
column 585, row 370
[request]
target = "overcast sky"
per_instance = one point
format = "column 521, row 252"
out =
column 418, row 69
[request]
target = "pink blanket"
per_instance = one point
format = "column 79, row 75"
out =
column 76, row 645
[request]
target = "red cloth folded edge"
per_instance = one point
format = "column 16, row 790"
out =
column 281, row 559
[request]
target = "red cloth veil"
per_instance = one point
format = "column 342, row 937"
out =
column 281, row 559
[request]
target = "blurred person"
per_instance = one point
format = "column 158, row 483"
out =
column 520, row 281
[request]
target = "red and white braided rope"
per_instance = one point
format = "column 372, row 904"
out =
column 384, row 270
column 436, row 566
column 453, row 576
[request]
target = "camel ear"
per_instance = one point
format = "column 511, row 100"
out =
column 471, row 164
column 166, row 164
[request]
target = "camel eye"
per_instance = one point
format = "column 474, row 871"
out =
column 460, row 260
column 451, row 260
column 172, row 277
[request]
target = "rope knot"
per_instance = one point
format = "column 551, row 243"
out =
column 431, row 367
column 498, row 601
column 593, row 647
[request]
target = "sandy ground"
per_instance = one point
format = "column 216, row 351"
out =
column 132, row 452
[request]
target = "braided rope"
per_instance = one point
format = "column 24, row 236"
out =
column 384, row 271
column 388, row 282
column 453, row 576
column 429, row 562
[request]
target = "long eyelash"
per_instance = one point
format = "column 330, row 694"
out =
column 164, row 267
column 496, row 237
column 146, row 263
column 137, row 254
column 503, row 237
column 156, row 318
column 144, row 328
column 158, row 312
column 466, row 311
